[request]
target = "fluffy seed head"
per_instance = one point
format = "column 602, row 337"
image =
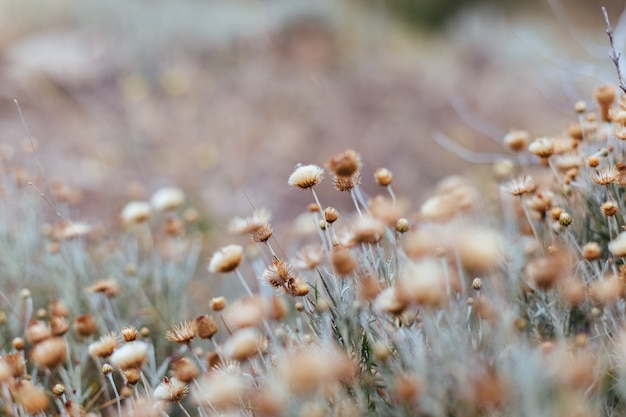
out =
column 309, row 257
column 306, row 176
column 542, row 147
column 226, row 259
column 130, row 355
column 104, row 347
column 618, row 245
column 135, row 212
column 517, row 140
column 342, row 260
column 167, row 199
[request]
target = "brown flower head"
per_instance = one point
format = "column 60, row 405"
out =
column 109, row 287
column 345, row 164
column 50, row 353
column 309, row 257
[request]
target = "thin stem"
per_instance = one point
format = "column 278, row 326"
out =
column 317, row 201
column 117, row 395
column 356, row 204
column 244, row 283
column 183, row 408
column 392, row 194
column 614, row 55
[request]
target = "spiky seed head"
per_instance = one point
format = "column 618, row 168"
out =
column 130, row 355
column 129, row 333
column 167, row 199
column 517, row 140
column 171, row 390
column 263, row 233
column 206, row 327
column 218, row 303
column 306, row 176
column 226, row 259
column 50, row 353
column 85, row 325
column 606, row 176
column 183, row 332
column 346, row 183
column 609, row 208
column 277, row 274
column 592, row 251
column 135, row 212
column 521, row 185
column 309, row 257
column 383, row 177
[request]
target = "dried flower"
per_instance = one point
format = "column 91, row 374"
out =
column 32, row 399
column 517, row 140
column 135, row 212
column 521, row 185
column 343, row 261
column 171, row 390
column 243, row 344
column 309, row 257
column 592, row 251
column 542, row 147
column 129, row 333
column 184, row 369
column 109, row 287
column 618, row 245
column 130, row 355
column 383, row 177
column 606, row 176
column 609, row 208
column 218, row 303
column 226, row 259
column 50, row 353
column 104, row 347
column 37, row 332
column 181, row 333
column 277, row 274
column 331, row 214
column 167, row 199
column 346, row 183
column 206, row 327
column 345, row 164
column 306, row 176
column 85, row 325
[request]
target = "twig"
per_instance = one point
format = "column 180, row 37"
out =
column 614, row 55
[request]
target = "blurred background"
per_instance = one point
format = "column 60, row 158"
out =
column 223, row 98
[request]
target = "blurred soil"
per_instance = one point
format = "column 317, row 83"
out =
column 224, row 98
